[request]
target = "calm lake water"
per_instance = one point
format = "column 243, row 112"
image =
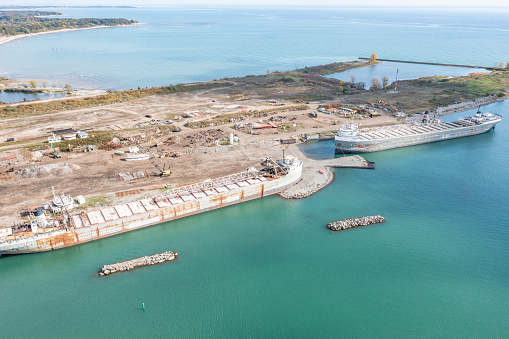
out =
column 404, row 71
column 179, row 45
column 10, row 97
column 269, row 268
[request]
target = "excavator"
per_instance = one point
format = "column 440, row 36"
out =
column 55, row 153
column 163, row 172
column 156, row 142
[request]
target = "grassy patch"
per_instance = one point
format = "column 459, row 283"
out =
column 18, row 111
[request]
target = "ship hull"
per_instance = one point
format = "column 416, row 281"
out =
column 367, row 146
column 79, row 235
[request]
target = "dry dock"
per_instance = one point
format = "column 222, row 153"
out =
column 316, row 175
column 143, row 261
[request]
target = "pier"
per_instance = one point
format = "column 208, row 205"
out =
column 345, row 224
column 143, row 261
column 316, row 174
column 428, row 63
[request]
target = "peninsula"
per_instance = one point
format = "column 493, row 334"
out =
column 19, row 23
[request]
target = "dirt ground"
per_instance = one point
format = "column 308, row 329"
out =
column 94, row 174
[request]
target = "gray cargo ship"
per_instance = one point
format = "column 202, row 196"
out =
column 351, row 139
column 48, row 231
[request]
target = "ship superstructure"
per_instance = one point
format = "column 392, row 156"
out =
column 48, row 232
column 351, row 139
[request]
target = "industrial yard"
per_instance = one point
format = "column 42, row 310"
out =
column 155, row 125
column 196, row 132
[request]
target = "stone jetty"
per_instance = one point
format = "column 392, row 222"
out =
column 354, row 222
column 143, row 261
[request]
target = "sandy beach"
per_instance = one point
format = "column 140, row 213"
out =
column 6, row 39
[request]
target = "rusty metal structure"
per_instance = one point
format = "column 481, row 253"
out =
column 351, row 139
column 48, row 232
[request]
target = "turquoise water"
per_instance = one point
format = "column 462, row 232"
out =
column 178, row 45
column 269, row 268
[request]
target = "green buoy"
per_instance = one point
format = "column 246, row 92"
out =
column 143, row 306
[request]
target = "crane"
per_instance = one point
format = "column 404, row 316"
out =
column 55, row 153
column 163, row 172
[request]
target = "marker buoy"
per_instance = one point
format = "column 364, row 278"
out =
column 143, row 306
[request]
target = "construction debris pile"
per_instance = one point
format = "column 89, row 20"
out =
column 143, row 261
column 280, row 118
column 354, row 222
column 129, row 176
column 46, row 170
column 206, row 138
column 154, row 123
column 109, row 146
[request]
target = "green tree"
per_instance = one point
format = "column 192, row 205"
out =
column 385, row 81
column 68, row 88
column 375, row 84
column 32, row 83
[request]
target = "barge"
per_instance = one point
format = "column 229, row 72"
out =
column 47, row 231
column 351, row 139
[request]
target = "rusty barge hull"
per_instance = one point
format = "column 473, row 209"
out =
column 390, row 139
column 142, row 213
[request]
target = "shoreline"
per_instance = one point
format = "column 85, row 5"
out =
column 468, row 105
column 6, row 39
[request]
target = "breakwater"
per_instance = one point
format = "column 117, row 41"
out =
column 143, row 261
column 428, row 63
column 354, row 222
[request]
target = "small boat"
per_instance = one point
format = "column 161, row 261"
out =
column 69, row 136
column 54, row 138
column 82, row 135
column 137, row 156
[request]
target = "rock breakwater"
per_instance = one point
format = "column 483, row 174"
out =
column 143, row 261
column 354, row 222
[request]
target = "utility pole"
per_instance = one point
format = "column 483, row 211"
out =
column 396, row 84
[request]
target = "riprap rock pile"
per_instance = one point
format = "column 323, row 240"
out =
column 143, row 261
column 354, row 222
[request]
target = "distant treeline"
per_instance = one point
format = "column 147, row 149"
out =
column 61, row 6
column 26, row 22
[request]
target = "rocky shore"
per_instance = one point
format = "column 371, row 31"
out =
column 354, row 222
column 143, row 261
column 467, row 105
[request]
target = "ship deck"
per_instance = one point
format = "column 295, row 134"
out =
column 414, row 130
column 178, row 196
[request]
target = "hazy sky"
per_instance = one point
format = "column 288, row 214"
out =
column 210, row 3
